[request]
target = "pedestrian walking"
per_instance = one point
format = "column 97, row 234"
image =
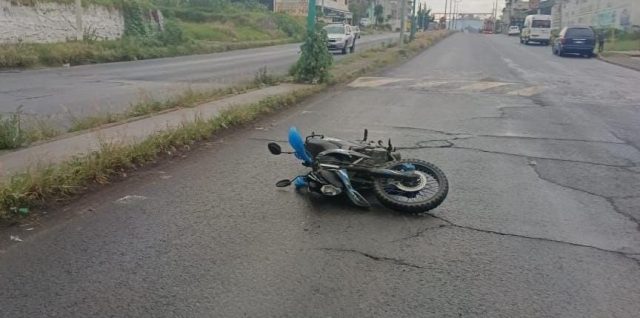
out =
column 600, row 41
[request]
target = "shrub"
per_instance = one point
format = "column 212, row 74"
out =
column 315, row 60
column 11, row 134
column 172, row 34
column 17, row 56
column 289, row 26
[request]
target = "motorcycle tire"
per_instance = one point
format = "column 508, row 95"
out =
column 399, row 200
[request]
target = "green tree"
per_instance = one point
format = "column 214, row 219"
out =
column 359, row 10
column 378, row 11
column 424, row 17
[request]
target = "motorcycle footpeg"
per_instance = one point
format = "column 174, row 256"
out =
column 358, row 199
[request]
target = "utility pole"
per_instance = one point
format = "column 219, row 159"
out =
column 450, row 15
column 414, row 20
column 455, row 14
column 445, row 14
column 403, row 15
column 459, row 7
column 79, row 28
column 311, row 16
column 495, row 18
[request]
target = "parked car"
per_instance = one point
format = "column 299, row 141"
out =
column 577, row 40
column 356, row 31
column 514, row 30
column 365, row 22
column 341, row 37
column 537, row 28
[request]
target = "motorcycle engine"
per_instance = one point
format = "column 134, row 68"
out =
column 378, row 155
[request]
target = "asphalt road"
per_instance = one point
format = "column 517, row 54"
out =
column 60, row 94
column 542, row 154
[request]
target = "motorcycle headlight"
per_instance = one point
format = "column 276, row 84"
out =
column 330, row 190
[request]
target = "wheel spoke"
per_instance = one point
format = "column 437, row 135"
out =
column 430, row 186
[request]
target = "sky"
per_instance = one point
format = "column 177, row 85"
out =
column 465, row 5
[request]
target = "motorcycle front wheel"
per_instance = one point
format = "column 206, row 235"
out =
column 423, row 195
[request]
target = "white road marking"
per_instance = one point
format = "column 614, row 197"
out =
column 527, row 91
column 430, row 84
column 481, row 86
column 375, row 81
column 131, row 198
column 459, row 85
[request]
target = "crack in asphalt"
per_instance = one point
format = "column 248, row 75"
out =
column 503, row 112
column 420, row 232
column 422, row 144
column 541, row 158
column 552, row 139
column 626, row 142
column 449, row 144
column 609, row 199
column 452, row 224
column 429, row 130
column 391, row 260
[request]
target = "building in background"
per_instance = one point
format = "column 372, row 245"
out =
column 619, row 14
column 514, row 12
column 333, row 10
column 292, row 7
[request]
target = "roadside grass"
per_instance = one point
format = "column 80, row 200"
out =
column 127, row 49
column 108, row 3
column 43, row 184
column 58, row 182
column 189, row 30
column 623, row 45
column 14, row 133
column 188, row 98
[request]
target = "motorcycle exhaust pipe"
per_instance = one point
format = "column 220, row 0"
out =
column 385, row 173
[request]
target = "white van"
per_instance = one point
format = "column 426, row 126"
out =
column 536, row 28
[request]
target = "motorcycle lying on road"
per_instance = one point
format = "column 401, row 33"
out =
column 339, row 166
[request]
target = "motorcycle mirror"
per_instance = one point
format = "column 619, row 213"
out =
column 274, row 148
column 283, row 183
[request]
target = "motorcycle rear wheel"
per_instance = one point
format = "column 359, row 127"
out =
column 429, row 193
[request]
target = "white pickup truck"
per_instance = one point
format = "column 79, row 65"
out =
column 341, row 37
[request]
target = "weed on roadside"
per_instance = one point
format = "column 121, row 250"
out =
column 11, row 133
column 263, row 77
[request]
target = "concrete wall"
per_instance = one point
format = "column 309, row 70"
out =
column 51, row 22
column 292, row 7
column 621, row 14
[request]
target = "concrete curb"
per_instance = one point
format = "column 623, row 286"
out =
column 128, row 132
column 627, row 66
